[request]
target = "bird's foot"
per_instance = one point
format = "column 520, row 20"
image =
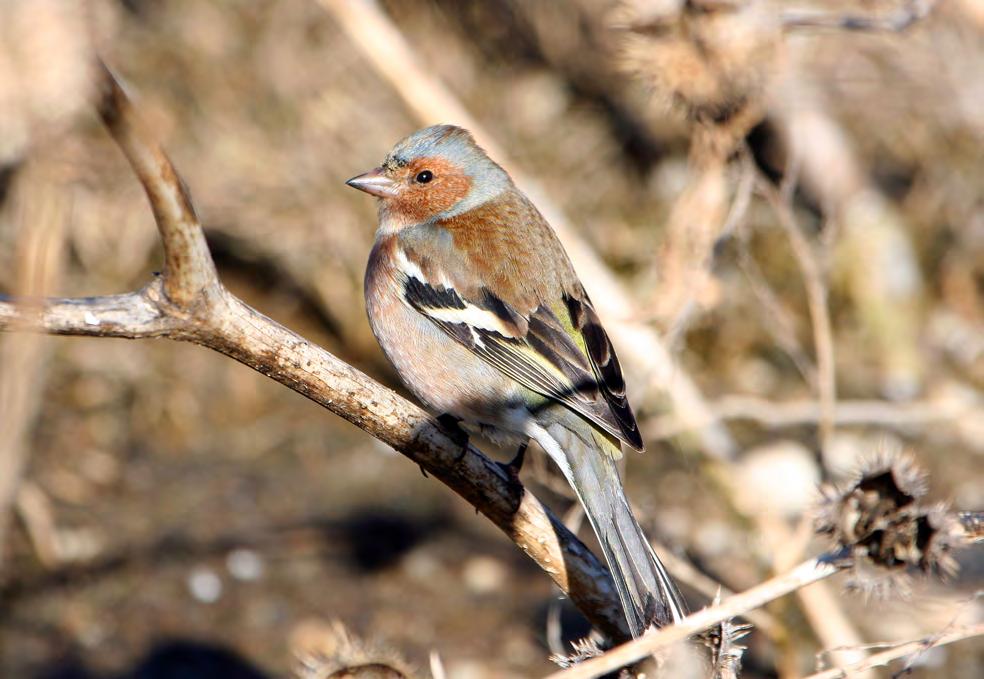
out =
column 514, row 465
column 452, row 427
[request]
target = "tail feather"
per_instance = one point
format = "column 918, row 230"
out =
column 587, row 457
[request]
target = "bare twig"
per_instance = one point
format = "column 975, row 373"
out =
column 779, row 322
column 189, row 303
column 736, row 605
column 875, row 255
column 912, row 649
column 437, row 666
column 819, row 605
column 816, row 292
column 639, row 346
column 822, row 609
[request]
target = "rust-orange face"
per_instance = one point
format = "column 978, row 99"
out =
column 417, row 190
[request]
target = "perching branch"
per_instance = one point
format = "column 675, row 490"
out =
column 188, row 302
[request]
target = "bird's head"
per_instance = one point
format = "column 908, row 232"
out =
column 435, row 173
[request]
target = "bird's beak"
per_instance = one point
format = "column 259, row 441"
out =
column 375, row 183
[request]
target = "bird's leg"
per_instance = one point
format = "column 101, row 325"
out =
column 514, row 465
column 452, row 427
column 517, row 462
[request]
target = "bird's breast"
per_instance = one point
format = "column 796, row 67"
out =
column 443, row 374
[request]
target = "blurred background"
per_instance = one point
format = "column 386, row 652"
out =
column 789, row 210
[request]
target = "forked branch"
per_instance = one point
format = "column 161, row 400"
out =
column 188, row 302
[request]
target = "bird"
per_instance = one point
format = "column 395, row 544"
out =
column 476, row 304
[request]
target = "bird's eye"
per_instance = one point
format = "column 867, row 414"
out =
column 424, row 177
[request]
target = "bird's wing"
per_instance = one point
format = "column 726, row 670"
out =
column 559, row 350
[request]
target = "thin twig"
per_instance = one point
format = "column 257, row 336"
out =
column 822, row 609
column 911, row 648
column 832, row 625
column 816, row 293
column 777, row 319
column 189, row 303
column 736, row 605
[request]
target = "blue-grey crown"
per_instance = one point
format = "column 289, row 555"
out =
column 447, row 141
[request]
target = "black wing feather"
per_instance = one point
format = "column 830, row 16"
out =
column 591, row 385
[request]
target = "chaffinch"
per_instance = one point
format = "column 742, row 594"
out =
column 476, row 304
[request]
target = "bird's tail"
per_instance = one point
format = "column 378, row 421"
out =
column 587, row 457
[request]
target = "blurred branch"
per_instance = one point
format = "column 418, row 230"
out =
column 777, row 320
column 874, row 250
column 911, row 648
column 22, row 358
column 773, row 414
column 899, row 20
column 688, row 310
column 807, row 572
column 973, row 525
column 639, row 346
column 816, row 291
column 189, row 303
column 34, row 510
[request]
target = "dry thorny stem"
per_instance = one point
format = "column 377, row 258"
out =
column 804, row 574
column 188, row 302
column 881, row 530
column 910, row 650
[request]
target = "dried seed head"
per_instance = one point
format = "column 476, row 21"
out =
column 940, row 534
column 878, row 518
column 328, row 649
column 905, row 475
column 47, row 71
column 872, row 582
column 711, row 58
column 883, row 487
